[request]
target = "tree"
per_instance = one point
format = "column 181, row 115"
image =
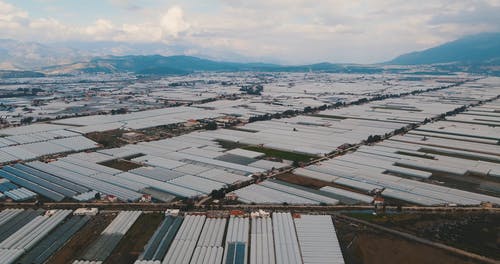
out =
column 211, row 125
column 254, row 90
column 189, row 205
column 27, row 120
column 119, row 111
column 372, row 139
column 218, row 194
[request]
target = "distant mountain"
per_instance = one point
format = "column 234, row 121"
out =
column 20, row 58
column 181, row 64
column 481, row 49
column 155, row 65
column 19, row 55
column 25, row 55
column 476, row 54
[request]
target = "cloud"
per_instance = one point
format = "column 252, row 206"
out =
column 11, row 17
column 173, row 23
column 100, row 28
column 290, row 31
column 18, row 24
column 474, row 15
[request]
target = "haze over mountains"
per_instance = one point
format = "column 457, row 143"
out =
column 473, row 51
column 476, row 49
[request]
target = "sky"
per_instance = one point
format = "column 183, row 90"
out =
column 282, row 31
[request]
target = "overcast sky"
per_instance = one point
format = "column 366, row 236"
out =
column 285, row 31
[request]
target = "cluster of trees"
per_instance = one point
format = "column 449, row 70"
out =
column 456, row 111
column 211, row 125
column 119, row 111
column 259, row 118
column 252, row 89
column 399, row 131
column 182, row 83
column 208, row 100
column 287, row 113
column 373, row 139
column 218, row 194
column 292, row 113
column 221, row 193
column 27, row 120
column 360, row 101
column 309, row 109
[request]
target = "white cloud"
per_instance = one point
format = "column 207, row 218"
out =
column 294, row 31
column 11, row 18
column 173, row 23
column 100, row 28
column 140, row 33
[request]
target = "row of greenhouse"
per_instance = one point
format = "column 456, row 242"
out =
column 184, row 167
column 416, row 167
column 280, row 239
column 195, row 164
column 193, row 238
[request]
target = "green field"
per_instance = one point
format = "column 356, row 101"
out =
column 281, row 154
column 329, row 116
column 268, row 151
column 121, row 164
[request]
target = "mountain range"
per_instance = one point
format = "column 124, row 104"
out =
column 476, row 53
column 475, row 49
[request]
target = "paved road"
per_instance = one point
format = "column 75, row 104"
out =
column 245, row 207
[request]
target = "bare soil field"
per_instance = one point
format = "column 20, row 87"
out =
column 303, row 181
column 121, row 164
column 476, row 232
column 132, row 244
column 82, row 239
column 365, row 245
